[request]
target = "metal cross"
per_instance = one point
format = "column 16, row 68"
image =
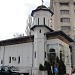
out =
column 42, row 2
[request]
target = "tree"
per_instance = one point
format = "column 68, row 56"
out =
column 61, row 67
column 41, row 67
column 57, row 59
column 47, row 66
column 16, row 35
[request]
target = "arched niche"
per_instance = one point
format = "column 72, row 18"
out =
column 51, row 55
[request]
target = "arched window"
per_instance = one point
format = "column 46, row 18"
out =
column 60, row 54
column 38, row 21
column 51, row 55
column 44, row 20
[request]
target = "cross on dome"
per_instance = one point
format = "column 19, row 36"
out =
column 42, row 2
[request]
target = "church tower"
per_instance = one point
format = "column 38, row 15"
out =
column 41, row 25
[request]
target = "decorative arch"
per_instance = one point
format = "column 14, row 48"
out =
column 51, row 55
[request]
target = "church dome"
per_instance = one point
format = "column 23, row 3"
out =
column 42, row 7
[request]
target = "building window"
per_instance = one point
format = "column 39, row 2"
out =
column 35, row 54
column 64, row 4
column 1, row 61
column 44, row 20
column 65, row 19
column 60, row 54
column 9, row 59
column 67, row 59
column 66, row 28
column 74, row 3
column 39, row 31
column 51, row 55
column 19, row 59
column 64, row 11
column 38, row 21
column 45, row 54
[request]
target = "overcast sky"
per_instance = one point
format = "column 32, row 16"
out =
column 13, row 16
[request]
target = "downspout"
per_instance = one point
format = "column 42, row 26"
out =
column 45, row 48
column 3, row 54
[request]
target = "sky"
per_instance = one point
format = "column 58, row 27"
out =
column 14, row 14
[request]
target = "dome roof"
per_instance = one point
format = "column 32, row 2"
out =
column 42, row 7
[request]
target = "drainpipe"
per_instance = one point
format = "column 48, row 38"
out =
column 3, row 53
column 45, row 47
column 32, row 56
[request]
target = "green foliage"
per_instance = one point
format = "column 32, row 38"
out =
column 57, row 59
column 41, row 67
column 47, row 65
column 59, row 63
column 62, row 67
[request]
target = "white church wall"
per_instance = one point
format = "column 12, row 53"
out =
column 53, row 44
column 39, row 50
column 1, row 54
column 41, row 15
column 59, row 45
column 20, row 54
column 38, row 34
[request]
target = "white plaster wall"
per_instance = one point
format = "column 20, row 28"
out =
column 41, row 14
column 37, row 32
column 1, row 53
column 39, row 49
column 23, row 50
column 55, row 44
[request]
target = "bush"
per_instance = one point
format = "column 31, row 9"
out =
column 41, row 67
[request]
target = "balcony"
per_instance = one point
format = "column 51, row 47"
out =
column 64, row 7
column 65, row 24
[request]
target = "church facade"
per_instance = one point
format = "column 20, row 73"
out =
column 28, row 52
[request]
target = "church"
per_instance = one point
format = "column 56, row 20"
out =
column 28, row 52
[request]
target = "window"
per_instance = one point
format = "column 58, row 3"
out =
column 19, row 59
column 1, row 61
column 74, row 11
column 51, row 55
column 38, row 21
column 74, row 3
column 65, row 27
column 65, row 19
column 67, row 58
column 40, row 31
column 64, row 4
column 60, row 54
column 9, row 59
column 44, row 20
column 64, row 11
column 45, row 54
column 35, row 54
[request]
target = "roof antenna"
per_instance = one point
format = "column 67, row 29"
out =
column 42, row 2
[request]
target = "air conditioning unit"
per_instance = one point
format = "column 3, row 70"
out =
column 14, row 58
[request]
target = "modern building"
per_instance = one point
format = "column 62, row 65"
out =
column 64, row 19
column 64, row 16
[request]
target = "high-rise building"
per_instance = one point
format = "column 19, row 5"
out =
column 64, row 19
column 64, row 16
